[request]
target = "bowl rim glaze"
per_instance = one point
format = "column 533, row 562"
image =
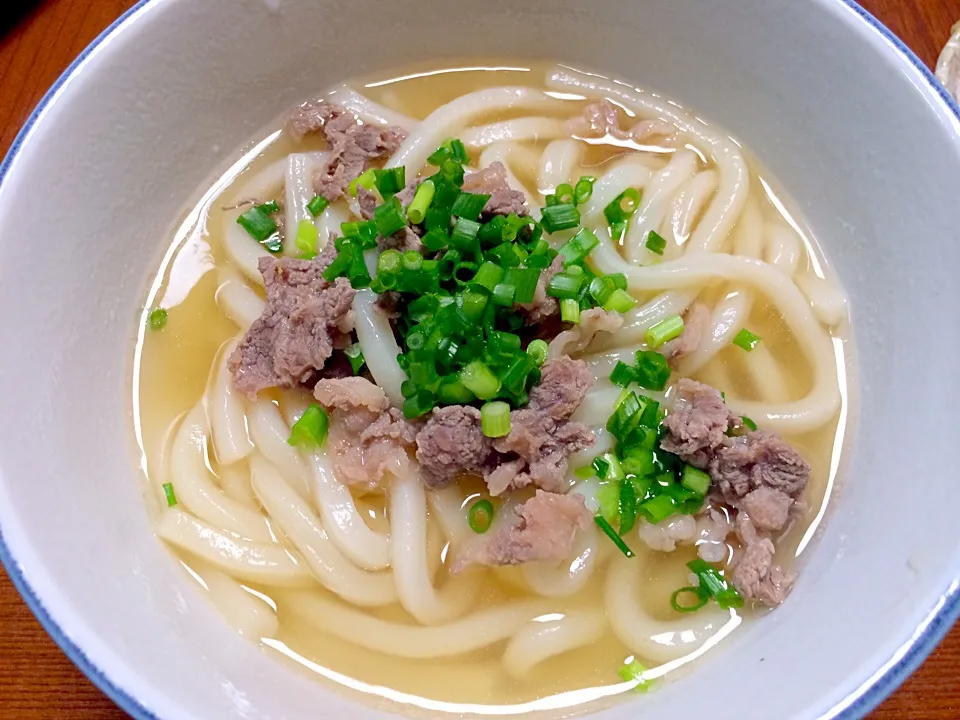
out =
column 859, row 702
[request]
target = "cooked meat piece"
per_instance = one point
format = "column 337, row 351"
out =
column 564, row 383
column 698, row 424
column 351, row 393
column 492, row 181
column 543, row 305
column 696, row 324
column 541, row 529
column 756, row 460
column 451, row 444
column 403, row 240
column 368, row 201
column 578, row 338
column 754, row 574
column 598, row 120
column 768, row 508
column 370, row 447
column 304, row 317
column 350, row 144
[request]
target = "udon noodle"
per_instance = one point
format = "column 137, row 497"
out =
column 357, row 582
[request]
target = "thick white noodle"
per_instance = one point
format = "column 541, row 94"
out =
column 247, row 613
column 655, row 203
column 329, row 221
column 256, row 562
column 239, row 302
column 196, row 490
column 298, row 191
column 630, row 172
column 447, row 504
column 687, row 207
column 343, row 523
column 569, row 577
column 261, row 186
column 513, row 155
column 242, row 250
column 603, row 442
column 734, row 184
column 729, row 316
column 828, row 302
column 479, row 630
column 235, row 482
column 294, row 516
column 270, row 433
column 408, row 531
column 808, row 413
column 226, row 410
column 557, row 164
column 448, row 120
column 518, row 129
column 783, row 247
column 378, row 344
column 369, row 111
column 766, row 374
column 659, row 641
column 540, row 640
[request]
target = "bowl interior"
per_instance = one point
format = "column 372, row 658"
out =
column 852, row 130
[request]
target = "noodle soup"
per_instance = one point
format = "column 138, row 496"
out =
column 533, row 423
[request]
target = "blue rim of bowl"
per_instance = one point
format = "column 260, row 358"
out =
column 856, row 705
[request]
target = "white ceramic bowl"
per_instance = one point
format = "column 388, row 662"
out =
column 841, row 112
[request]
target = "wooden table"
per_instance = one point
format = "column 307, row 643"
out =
column 36, row 679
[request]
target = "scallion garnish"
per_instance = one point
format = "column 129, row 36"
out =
column 746, row 340
column 538, row 350
column 495, row 419
column 699, row 599
column 620, row 210
column 464, row 235
column 390, row 181
column 564, row 195
column 748, row 422
column 366, row 180
column 480, row 516
column 169, row 494
column 157, row 319
column 524, row 282
column 469, row 205
column 656, row 243
column 389, row 217
column 583, row 190
column 713, row 584
column 695, row 480
column 620, row 301
column 417, row 210
column 355, row 355
column 570, row 310
column 565, row 285
column 307, row 238
column 628, row 505
column 584, row 472
column 664, row 331
column 634, row 671
column 479, row 380
column 653, row 370
column 579, row 246
column 258, row 223
column 612, row 534
column 310, row 431
column 317, row 205
column 561, row 216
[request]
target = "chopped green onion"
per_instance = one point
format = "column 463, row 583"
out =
column 464, row 235
column 390, row 217
column 417, row 210
column 653, row 370
column 157, row 319
column 474, row 303
column 655, row 243
column 495, row 419
column 469, row 205
column 746, row 340
column 657, row 508
column 454, row 393
column 620, row 301
column 365, row 232
column 538, row 350
column 420, row 404
column 601, row 288
column 480, row 516
column 354, row 354
column 583, row 190
column 317, row 205
column 612, row 534
column 435, row 240
column 564, row 194
column 367, row 180
column 390, row 181
column 700, row 599
column 562, row 216
column 748, row 422
column 714, row 584
column 579, row 246
column 412, row 260
column 270, row 207
column 478, row 378
column 450, row 150
column 169, row 494
column 570, row 310
column 635, row 671
column 664, row 331
column 583, row 473
column 524, row 280
column 389, row 262
column 623, row 374
column 619, row 280
column 622, row 207
column 307, row 238
column 628, row 505
column 310, row 431
column 564, row 285
column 273, row 243
column 695, row 480
column 600, row 466
column 258, row 223
column 503, row 294
column 488, row 276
